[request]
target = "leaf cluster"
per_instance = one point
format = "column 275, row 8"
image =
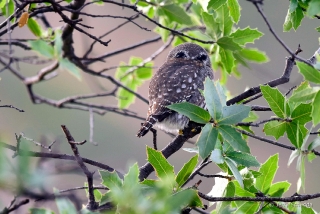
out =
column 218, row 136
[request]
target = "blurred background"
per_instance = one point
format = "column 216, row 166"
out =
column 115, row 134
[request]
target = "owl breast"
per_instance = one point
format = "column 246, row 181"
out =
column 177, row 81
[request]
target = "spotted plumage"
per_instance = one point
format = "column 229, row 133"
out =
column 178, row 79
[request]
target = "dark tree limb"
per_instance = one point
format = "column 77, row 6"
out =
column 267, row 199
column 12, row 207
column 272, row 142
column 57, row 156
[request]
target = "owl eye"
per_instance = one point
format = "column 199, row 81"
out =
column 180, row 54
column 202, row 57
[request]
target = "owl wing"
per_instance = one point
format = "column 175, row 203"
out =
column 173, row 83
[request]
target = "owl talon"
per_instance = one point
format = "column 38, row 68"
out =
column 194, row 130
column 180, row 132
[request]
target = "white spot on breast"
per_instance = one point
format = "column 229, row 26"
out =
column 169, row 89
column 190, row 79
column 195, row 75
column 179, row 116
column 183, row 86
column 159, row 96
column 195, row 86
column 178, row 90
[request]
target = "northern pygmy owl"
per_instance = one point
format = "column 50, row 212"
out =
column 177, row 80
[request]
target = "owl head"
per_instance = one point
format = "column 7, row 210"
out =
column 189, row 51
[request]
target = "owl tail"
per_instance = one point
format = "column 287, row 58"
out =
column 147, row 126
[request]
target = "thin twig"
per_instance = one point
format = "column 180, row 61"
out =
column 92, row 204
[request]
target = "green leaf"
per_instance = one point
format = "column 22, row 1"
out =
column 160, row 164
column 293, row 19
column 268, row 170
column 42, row 48
column 194, row 112
column 65, row 206
column 40, row 211
column 309, row 73
column 255, row 174
column 214, row 98
column 217, row 156
column 196, row 201
column 304, row 95
column 314, row 144
column 244, row 159
column 135, row 60
column 275, row 129
column 234, row 9
column 186, row 170
column 224, row 19
column 246, row 35
column 149, row 182
column 313, row 8
column 228, row 192
column 293, row 130
column 302, row 114
column 306, row 209
column 132, row 177
column 64, row 63
column 227, row 59
column 228, row 43
column 212, row 26
column 315, row 110
column 215, row 4
column 293, row 5
column 144, row 73
column 287, row 25
column 176, row 13
column 296, row 18
column 234, row 114
column 2, row 4
column 182, row 198
column 242, row 192
column 232, row 166
column 110, row 179
column 248, row 207
column 7, row 10
column 207, row 140
column 234, row 138
column 34, row 27
column 311, row 156
column 253, row 55
column 252, row 117
column 240, row 60
column 277, row 189
column 126, row 98
column 275, row 100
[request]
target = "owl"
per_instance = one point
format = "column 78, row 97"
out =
column 177, row 80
